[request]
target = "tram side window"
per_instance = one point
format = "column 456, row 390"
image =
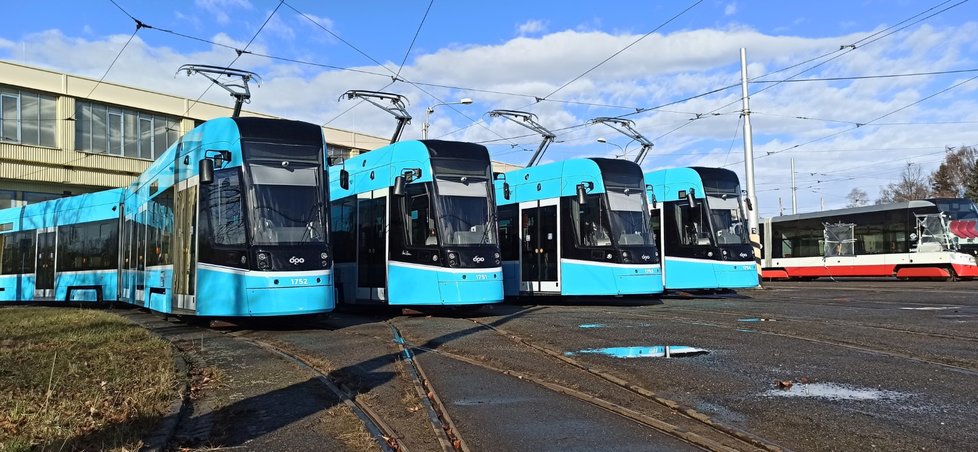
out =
column 419, row 224
column 591, row 222
column 88, row 246
column 18, row 253
column 221, row 209
column 509, row 233
column 798, row 239
column 693, row 225
column 343, row 222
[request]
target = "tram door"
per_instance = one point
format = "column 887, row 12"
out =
column 184, row 247
column 539, row 264
column 372, row 245
column 44, row 278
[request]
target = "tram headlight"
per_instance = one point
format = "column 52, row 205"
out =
column 496, row 258
column 452, row 260
column 264, row 262
column 323, row 255
column 626, row 257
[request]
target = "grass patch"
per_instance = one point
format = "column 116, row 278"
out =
column 80, row 379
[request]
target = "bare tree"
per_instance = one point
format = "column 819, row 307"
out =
column 911, row 186
column 951, row 179
column 857, row 198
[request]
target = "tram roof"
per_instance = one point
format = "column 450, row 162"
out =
column 905, row 205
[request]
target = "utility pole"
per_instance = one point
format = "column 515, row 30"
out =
column 794, row 189
column 755, row 236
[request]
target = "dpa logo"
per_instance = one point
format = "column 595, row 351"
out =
column 478, row 259
column 296, row 260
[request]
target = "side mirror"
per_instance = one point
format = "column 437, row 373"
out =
column 655, row 203
column 581, row 194
column 690, row 198
column 399, row 186
column 506, row 190
column 750, row 205
column 344, row 179
column 206, row 171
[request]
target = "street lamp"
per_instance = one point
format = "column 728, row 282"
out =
column 623, row 151
column 431, row 109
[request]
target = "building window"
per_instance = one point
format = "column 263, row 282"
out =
column 338, row 154
column 27, row 117
column 112, row 130
column 32, row 197
column 8, row 199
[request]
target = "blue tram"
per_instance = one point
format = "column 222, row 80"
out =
column 413, row 223
column 700, row 222
column 64, row 249
column 579, row 227
column 230, row 221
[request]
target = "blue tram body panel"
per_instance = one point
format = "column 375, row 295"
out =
column 17, row 287
column 400, row 277
column 698, row 266
column 582, row 278
column 237, row 293
column 412, row 284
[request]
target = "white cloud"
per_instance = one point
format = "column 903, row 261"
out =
column 730, row 9
column 531, row 27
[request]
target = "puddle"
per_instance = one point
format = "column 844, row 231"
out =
column 755, row 319
column 658, row 351
column 746, row 330
column 833, row 391
column 932, row 308
column 591, row 325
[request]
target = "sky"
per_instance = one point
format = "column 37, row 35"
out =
column 866, row 86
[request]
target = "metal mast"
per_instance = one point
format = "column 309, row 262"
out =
column 627, row 127
column 528, row 120
column 755, row 236
column 239, row 90
column 395, row 108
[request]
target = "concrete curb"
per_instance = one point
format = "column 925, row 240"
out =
column 161, row 437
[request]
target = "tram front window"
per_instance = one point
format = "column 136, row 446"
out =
column 728, row 220
column 629, row 218
column 464, row 213
column 287, row 207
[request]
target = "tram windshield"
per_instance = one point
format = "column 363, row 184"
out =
column 288, row 204
column 629, row 217
column 728, row 220
column 465, row 215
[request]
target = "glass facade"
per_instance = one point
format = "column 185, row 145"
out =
column 118, row 131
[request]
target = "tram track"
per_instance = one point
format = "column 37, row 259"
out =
column 696, row 428
column 386, row 437
column 448, row 436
